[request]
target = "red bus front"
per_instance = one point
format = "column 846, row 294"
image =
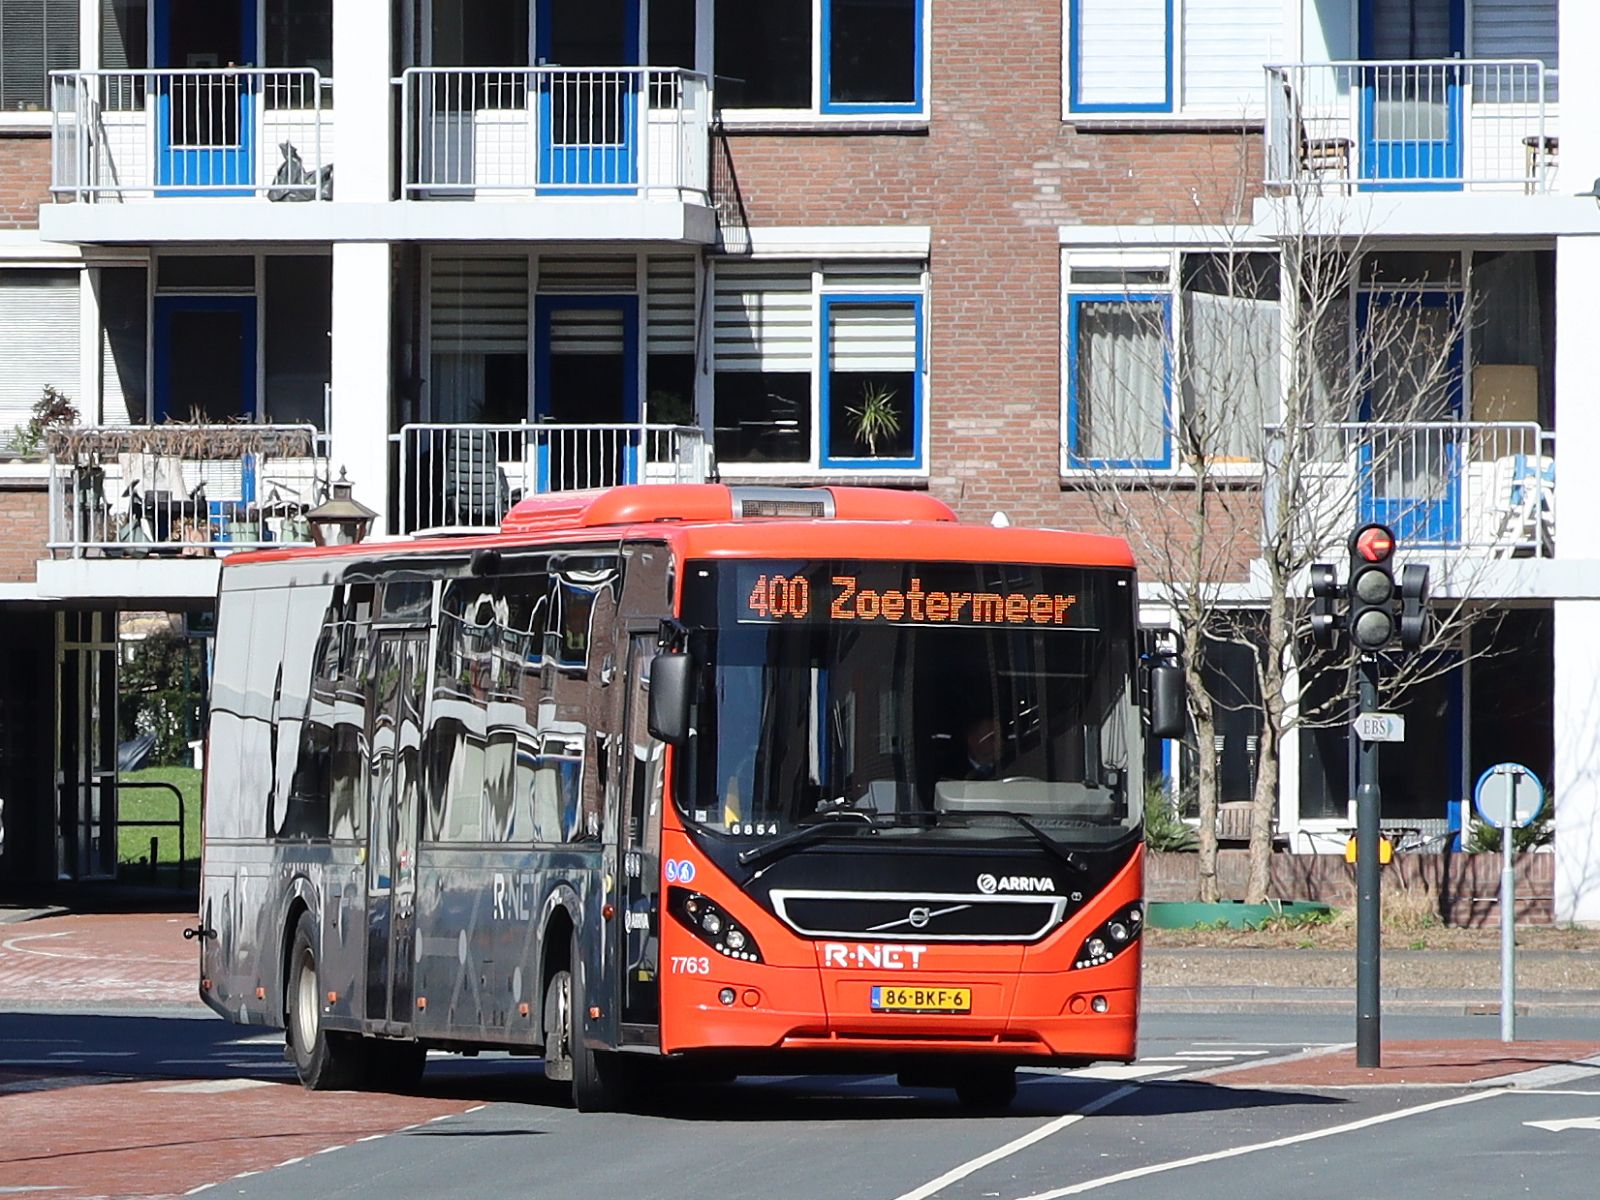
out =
column 905, row 825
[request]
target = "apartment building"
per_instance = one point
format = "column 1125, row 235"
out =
column 466, row 252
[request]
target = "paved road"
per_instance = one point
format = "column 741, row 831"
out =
column 158, row 1104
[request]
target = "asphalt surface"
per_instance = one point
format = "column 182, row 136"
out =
column 114, row 1081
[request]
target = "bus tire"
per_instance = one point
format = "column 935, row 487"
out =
column 598, row 1077
column 324, row 1061
column 987, row 1087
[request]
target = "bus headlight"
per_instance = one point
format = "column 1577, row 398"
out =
column 704, row 918
column 1111, row 939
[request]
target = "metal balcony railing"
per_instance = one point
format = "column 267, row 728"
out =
column 233, row 131
column 1452, row 124
column 182, row 490
column 468, row 476
column 1478, row 487
column 594, row 131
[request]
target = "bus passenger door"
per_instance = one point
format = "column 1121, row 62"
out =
column 641, row 850
column 399, row 680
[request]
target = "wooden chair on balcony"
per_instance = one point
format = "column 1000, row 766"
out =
column 1315, row 157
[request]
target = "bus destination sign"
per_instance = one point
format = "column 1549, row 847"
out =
column 842, row 595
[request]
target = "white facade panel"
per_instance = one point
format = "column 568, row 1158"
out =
column 1122, row 51
column 1225, row 44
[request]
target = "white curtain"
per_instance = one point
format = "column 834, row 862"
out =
column 1121, row 380
column 1231, row 373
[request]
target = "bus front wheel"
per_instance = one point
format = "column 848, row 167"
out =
column 597, row 1076
column 324, row 1061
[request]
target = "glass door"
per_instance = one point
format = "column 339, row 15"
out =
column 586, row 375
column 1412, row 93
column 590, row 103
column 1411, row 467
column 640, row 852
column 397, row 682
column 205, row 114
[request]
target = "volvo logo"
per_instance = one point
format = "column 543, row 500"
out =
column 918, row 917
column 987, row 884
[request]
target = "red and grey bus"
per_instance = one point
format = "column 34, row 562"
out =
column 748, row 780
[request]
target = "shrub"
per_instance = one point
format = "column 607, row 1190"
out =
column 1163, row 828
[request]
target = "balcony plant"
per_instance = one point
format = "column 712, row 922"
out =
column 53, row 410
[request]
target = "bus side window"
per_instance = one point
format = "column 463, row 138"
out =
column 264, row 794
column 348, row 763
column 305, row 734
column 225, row 810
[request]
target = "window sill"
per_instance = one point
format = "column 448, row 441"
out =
column 783, row 475
column 1162, row 123
column 1232, row 477
column 25, row 124
column 816, row 124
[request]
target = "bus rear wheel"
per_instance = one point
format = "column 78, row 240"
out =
column 990, row 1087
column 324, row 1061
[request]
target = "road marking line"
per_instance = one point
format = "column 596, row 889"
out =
column 289, row 1162
column 208, row 1087
column 477, row 1108
column 196, row 1190
column 1090, row 1185
column 1592, row 1123
column 1117, row 1071
column 1011, row 1147
column 1219, row 1053
column 1317, row 1051
column 11, row 945
column 372, row 1137
column 329, row 1149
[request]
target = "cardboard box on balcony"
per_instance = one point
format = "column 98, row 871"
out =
column 1503, row 393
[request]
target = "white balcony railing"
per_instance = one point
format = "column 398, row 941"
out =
column 1476, row 487
column 593, row 131
column 468, row 476
column 234, row 131
column 182, row 490
column 1475, row 124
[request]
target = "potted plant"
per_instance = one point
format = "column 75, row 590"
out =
column 874, row 418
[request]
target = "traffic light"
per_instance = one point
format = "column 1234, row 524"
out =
column 1413, row 606
column 1372, row 623
column 1325, row 596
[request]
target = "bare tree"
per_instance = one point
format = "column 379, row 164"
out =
column 1238, row 426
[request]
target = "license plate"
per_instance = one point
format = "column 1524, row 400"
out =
column 922, row 999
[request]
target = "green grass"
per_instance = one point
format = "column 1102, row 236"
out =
column 158, row 804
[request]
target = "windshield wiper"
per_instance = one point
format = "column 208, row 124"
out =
column 832, row 824
column 1071, row 857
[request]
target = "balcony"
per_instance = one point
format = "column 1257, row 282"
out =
column 554, row 135
column 181, row 491
column 1461, row 488
column 128, row 146
column 462, row 478
column 1476, row 125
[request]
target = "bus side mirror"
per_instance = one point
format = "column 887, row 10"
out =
column 671, row 688
column 1167, row 716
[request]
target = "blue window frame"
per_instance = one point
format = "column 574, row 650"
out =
column 831, row 57
column 1119, row 343
column 1110, row 32
column 868, row 364
column 851, row 33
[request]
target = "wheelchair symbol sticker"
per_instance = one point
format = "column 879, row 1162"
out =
column 679, row 871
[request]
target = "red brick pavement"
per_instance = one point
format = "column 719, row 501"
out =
column 1463, row 1062
column 152, row 1138
column 104, row 959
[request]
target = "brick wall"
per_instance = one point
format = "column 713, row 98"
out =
column 24, row 529
column 995, row 175
column 24, row 178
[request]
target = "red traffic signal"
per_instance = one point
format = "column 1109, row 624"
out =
column 1374, row 543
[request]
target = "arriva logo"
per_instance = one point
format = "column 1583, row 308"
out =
column 989, row 885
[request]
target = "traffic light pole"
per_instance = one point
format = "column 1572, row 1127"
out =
column 1368, row 911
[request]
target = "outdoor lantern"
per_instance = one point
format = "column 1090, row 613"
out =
column 339, row 520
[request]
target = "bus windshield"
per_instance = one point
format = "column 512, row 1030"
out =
column 914, row 699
